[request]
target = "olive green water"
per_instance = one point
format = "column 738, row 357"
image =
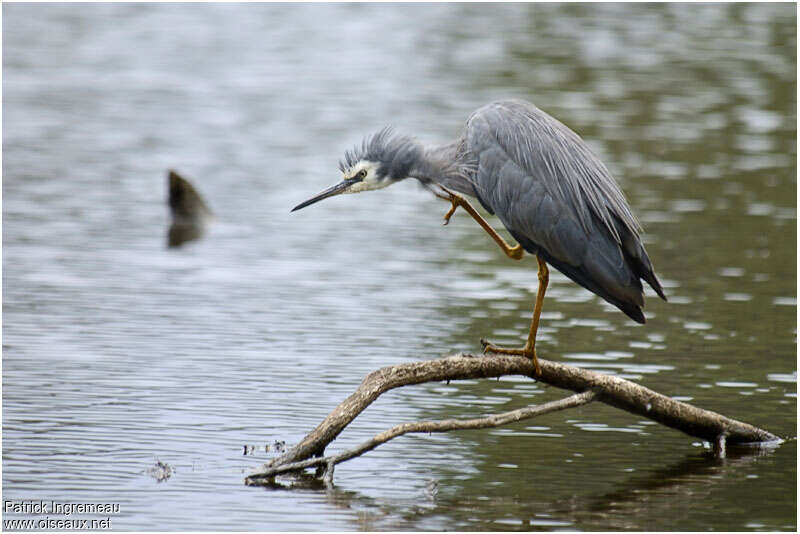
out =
column 118, row 353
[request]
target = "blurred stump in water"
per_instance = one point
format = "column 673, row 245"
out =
column 190, row 213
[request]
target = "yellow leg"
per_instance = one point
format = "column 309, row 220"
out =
column 515, row 253
column 529, row 349
column 457, row 200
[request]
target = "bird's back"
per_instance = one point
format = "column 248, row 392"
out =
column 558, row 200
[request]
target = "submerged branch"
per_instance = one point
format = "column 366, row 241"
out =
column 612, row 390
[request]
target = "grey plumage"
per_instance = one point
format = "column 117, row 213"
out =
column 558, row 200
column 401, row 156
column 550, row 191
column 396, row 152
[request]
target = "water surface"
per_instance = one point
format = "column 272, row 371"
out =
column 119, row 353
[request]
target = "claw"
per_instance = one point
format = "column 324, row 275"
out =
column 454, row 200
column 450, row 212
column 528, row 352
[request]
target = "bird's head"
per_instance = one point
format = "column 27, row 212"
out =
column 381, row 160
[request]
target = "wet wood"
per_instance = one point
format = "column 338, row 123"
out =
column 426, row 427
column 612, row 390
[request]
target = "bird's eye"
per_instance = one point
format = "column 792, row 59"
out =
column 362, row 174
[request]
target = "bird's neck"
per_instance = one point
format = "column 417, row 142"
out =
column 444, row 165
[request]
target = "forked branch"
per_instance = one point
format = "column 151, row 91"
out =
column 589, row 385
column 447, row 425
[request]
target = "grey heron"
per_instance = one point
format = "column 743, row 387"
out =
column 553, row 195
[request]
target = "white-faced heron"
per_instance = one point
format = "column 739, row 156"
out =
column 553, row 195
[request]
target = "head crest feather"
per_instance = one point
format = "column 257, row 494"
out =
column 397, row 154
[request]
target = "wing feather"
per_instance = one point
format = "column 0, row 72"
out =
column 558, row 199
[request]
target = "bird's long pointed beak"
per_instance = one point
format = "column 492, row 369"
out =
column 337, row 189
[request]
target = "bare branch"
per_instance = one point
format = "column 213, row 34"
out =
column 447, row 425
column 612, row 390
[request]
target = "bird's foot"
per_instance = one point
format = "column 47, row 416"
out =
column 455, row 200
column 527, row 351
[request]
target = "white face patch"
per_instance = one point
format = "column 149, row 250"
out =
column 370, row 182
